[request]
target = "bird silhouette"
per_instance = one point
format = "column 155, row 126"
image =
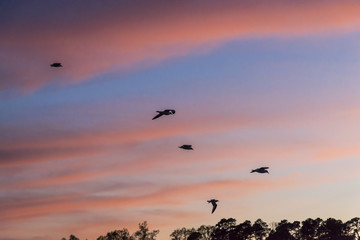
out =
column 260, row 170
column 213, row 202
column 56, row 65
column 165, row 112
column 186, row 147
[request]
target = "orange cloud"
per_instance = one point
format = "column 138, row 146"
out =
column 83, row 145
column 14, row 210
column 147, row 160
column 126, row 35
column 51, row 145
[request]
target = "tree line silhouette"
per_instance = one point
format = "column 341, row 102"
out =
column 227, row 229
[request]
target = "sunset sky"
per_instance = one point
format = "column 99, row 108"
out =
column 254, row 83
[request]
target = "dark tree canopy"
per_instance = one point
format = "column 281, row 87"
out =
column 334, row 229
column 117, row 235
column 243, row 231
column 285, row 230
column 261, row 229
column 310, row 229
column 206, row 231
column 354, row 227
column 144, row 233
column 181, row 233
column 227, row 229
column 223, row 228
column 72, row 237
column 194, row 236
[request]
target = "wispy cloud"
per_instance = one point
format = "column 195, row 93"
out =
column 88, row 159
column 126, row 35
column 28, row 207
column 35, row 206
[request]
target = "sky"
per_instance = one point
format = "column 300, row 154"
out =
column 254, row 83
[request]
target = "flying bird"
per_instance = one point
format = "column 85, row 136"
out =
column 186, row 147
column 165, row 112
column 213, row 202
column 260, row 170
column 56, row 65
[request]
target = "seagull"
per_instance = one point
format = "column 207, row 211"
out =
column 213, row 202
column 56, row 65
column 260, row 170
column 186, row 147
column 165, row 112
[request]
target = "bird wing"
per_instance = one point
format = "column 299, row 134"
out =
column 214, row 207
column 264, row 168
column 157, row 116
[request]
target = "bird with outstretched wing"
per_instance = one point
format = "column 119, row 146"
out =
column 213, row 202
column 165, row 112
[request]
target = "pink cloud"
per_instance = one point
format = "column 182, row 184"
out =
column 18, row 210
column 15, row 210
column 126, row 36
column 33, row 144
column 53, row 145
